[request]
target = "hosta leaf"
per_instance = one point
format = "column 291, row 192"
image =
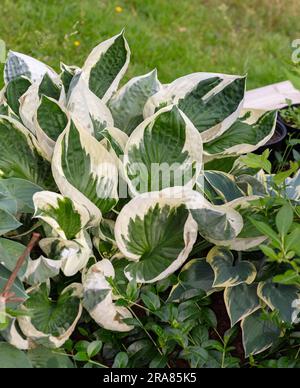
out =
column 51, row 118
column 66, row 217
column 241, row 301
column 222, row 187
column 10, row 251
column 18, row 65
column 215, row 223
column 211, row 101
column 85, row 171
column 258, row 333
column 106, row 65
column 98, row 298
column 156, row 233
column 51, row 320
column 11, row 357
column 128, row 103
column 29, row 103
column 14, row 90
column 243, row 136
column 107, row 230
column 40, row 270
column 227, row 272
column 279, row 297
column 87, row 109
column 50, row 121
column 19, row 155
column 73, row 255
column 163, row 151
column 114, row 140
column 16, row 195
column 7, row 222
column 292, row 187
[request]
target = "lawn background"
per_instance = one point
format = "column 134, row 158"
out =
column 175, row 36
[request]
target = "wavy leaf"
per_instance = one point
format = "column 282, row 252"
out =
column 163, row 151
column 106, row 65
column 156, row 233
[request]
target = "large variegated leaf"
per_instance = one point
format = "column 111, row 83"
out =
column 73, row 255
column 243, row 136
column 114, row 140
column 98, row 298
column 87, row 109
column 228, row 271
column 164, row 151
column 196, row 275
column 214, row 222
column 20, row 157
column 279, row 297
column 241, row 301
column 65, row 216
column 40, row 270
column 128, row 103
column 18, row 65
column 49, row 122
column 14, row 90
column 16, row 195
column 106, row 65
column 258, row 334
column 85, row 171
column 211, row 101
column 156, row 232
column 248, row 237
column 51, row 322
column 13, row 336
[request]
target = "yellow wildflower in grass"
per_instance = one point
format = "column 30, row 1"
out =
column 76, row 43
column 118, row 9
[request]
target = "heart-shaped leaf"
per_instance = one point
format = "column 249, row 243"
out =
column 156, row 233
column 241, row 301
column 227, row 272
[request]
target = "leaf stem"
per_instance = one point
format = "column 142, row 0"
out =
column 6, row 291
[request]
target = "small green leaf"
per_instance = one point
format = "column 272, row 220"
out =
column 151, row 301
column 284, row 219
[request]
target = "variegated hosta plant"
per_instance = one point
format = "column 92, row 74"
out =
column 127, row 173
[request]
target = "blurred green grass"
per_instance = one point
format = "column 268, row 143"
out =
column 175, row 36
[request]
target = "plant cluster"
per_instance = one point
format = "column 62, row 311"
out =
column 150, row 205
